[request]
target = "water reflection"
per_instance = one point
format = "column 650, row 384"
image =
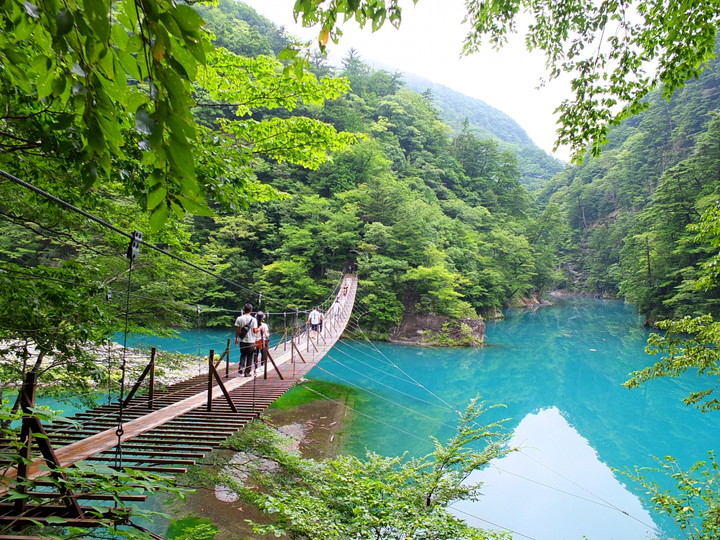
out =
column 587, row 499
column 571, row 357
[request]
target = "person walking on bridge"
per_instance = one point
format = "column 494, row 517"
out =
column 263, row 340
column 246, row 330
column 315, row 319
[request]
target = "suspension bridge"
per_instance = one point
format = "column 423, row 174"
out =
column 162, row 432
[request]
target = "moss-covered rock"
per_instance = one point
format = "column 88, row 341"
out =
column 439, row 330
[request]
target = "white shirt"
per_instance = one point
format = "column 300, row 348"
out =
column 264, row 331
column 241, row 321
column 315, row 317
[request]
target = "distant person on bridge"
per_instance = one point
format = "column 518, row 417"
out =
column 246, row 331
column 315, row 319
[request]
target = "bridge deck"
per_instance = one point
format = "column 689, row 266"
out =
column 179, row 429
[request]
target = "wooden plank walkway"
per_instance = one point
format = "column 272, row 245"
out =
column 179, row 429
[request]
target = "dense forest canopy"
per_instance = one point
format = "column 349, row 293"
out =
column 632, row 209
column 296, row 169
column 536, row 167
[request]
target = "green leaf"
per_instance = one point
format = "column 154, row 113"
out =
column 136, row 100
column 98, row 17
column 288, row 53
column 181, row 158
column 158, row 217
column 169, row 21
column 196, row 48
column 64, row 21
column 130, row 65
column 186, row 60
column 156, row 196
column 197, row 207
column 187, row 19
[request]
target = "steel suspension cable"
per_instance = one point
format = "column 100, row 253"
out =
column 128, row 235
column 604, row 503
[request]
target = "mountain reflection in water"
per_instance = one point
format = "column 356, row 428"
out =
column 558, row 371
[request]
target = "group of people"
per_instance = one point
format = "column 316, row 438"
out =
column 252, row 334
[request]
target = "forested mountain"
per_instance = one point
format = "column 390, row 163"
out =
column 296, row 170
column 436, row 218
column 260, row 36
column 536, row 166
column 456, row 108
column 629, row 209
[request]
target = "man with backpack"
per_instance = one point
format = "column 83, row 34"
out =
column 246, row 329
column 315, row 320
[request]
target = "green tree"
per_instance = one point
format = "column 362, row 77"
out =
column 439, row 291
column 289, row 280
column 694, row 504
column 110, row 88
column 375, row 497
column 616, row 52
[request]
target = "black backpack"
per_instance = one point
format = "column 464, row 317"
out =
column 244, row 330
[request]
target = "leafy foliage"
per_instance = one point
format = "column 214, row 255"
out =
column 375, row 497
column 698, row 351
column 631, row 212
column 695, row 504
column 616, row 52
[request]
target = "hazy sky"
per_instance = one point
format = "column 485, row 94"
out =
column 429, row 43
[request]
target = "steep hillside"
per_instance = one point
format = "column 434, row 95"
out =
column 536, row 166
column 436, row 217
column 456, row 108
column 629, row 209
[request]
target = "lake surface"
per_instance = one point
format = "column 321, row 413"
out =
column 558, row 372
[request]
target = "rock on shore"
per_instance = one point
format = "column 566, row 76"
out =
column 439, row 330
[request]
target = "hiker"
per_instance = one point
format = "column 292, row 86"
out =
column 246, row 330
column 315, row 319
column 263, row 340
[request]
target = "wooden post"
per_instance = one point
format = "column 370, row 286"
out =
column 269, row 357
column 149, row 369
column 211, row 367
column 151, row 391
column 27, row 402
column 32, row 425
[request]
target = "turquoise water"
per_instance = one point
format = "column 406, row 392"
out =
column 558, row 372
